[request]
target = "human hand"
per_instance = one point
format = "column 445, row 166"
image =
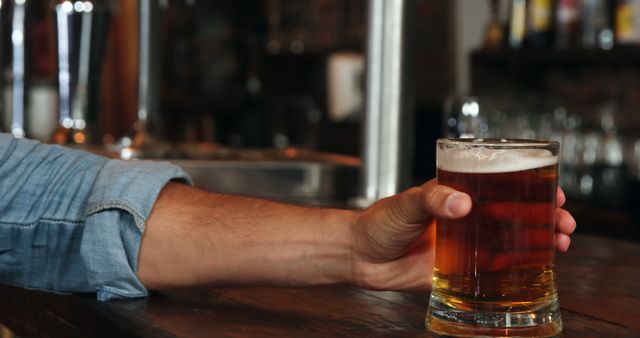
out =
column 394, row 239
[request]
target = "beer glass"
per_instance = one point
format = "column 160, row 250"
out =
column 494, row 268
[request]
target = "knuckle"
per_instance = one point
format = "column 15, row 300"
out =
column 435, row 198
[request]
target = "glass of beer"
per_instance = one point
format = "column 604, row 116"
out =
column 494, row 268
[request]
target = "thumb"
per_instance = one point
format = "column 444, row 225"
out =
column 391, row 226
column 420, row 204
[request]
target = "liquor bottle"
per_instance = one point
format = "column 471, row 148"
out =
column 567, row 24
column 539, row 23
column 41, row 113
column 494, row 33
column 517, row 23
column 627, row 18
column 596, row 25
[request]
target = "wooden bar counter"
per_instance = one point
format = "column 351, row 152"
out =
column 598, row 282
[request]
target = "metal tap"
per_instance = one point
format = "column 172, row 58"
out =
column 18, row 69
column 385, row 165
column 148, row 61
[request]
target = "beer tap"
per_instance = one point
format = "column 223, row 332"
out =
column 18, row 69
column 385, row 161
column 73, row 97
column 79, row 106
column 63, row 11
column 140, row 137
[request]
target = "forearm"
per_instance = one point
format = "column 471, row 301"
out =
column 197, row 238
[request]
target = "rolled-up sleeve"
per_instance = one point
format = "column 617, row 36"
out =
column 72, row 221
column 119, row 204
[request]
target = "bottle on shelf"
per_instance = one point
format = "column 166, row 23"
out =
column 567, row 24
column 494, row 33
column 596, row 25
column 539, row 23
column 627, row 22
column 517, row 23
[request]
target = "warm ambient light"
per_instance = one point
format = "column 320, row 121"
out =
column 79, row 138
column 290, row 153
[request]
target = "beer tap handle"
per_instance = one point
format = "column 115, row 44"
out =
column 63, row 11
column 140, row 136
column 79, row 105
column 18, row 69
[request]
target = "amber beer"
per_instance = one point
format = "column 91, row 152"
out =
column 493, row 273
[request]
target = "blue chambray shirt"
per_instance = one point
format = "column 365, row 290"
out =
column 71, row 221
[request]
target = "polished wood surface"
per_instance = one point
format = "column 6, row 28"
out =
column 598, row 282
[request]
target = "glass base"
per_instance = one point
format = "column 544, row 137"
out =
column 444, row 319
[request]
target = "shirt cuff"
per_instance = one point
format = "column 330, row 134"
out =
column 120, row 202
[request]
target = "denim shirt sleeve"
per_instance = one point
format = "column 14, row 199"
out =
column 71, row 221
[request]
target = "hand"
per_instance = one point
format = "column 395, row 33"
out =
column 394, row 239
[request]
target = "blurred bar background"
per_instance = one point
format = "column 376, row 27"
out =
column 270, row 97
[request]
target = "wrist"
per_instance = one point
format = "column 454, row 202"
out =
column 357, row 261
column 339, row 233
column 316, row 251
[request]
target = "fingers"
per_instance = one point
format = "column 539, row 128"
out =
column 565, row 226
column 562, row 242
column 565, row 223
column 560, row 198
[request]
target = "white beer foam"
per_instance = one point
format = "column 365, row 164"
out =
column 483, row 160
